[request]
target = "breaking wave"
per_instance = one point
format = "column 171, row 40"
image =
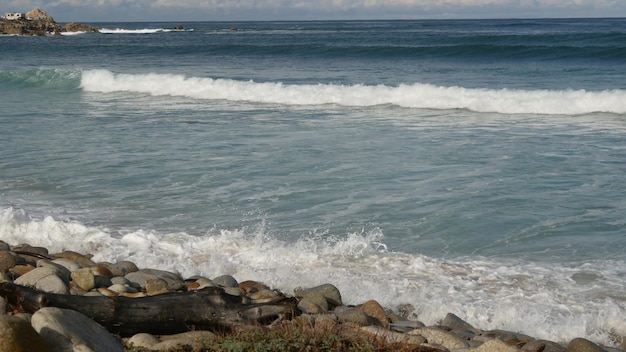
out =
column 553, row 302
column 417, row 95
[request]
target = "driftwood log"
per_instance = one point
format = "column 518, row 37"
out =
column 168, row 313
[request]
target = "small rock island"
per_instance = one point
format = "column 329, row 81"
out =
column 37, row 22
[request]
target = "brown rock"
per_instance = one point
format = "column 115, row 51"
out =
column 374, row 310
column 9, row 260
column 583, row 345
column 78, row 27
column 84, row 279
column 156, row 287
column 252, row 286
column 17, row 335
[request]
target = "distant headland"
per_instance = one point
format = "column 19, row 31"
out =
column 38, row 22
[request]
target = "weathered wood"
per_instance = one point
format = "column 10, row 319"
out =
column 169, row 313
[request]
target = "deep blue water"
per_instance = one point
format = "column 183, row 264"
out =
column 473, row 166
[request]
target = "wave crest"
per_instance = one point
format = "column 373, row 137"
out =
column 417, row 95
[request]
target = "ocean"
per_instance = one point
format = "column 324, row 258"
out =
column 468, row 166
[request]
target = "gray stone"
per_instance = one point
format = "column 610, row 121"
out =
column 62, row 271
column 233, row 291
column 583, row 345
column 119, row 280
column 102, row 281
column 122, row 288
column 225, row 281
column 314, row 302
column 139, row 278
column 69, row 330
column 406, row 325
column 309, row 307
column 352, row 315
column 440, row 337
column 67, row 263
column 125, row 266
column 455, row 323
column 332, row 294
column 44, row 279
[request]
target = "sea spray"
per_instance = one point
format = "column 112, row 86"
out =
column 543, row 301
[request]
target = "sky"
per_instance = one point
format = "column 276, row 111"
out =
column 271, row 10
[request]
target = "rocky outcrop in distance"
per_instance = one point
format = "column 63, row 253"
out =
column 39, row 23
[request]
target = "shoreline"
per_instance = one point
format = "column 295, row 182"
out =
column 318, row 310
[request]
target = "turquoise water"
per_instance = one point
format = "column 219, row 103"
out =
column 467, row 166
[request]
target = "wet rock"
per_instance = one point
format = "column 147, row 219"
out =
column 440, row 337
column 67, row 263
column 84, row 279
column 20, row 270
column 78, row 27
column 119, row 288
column 265, row 296
column 17, row 335
column 69, row 330
column 393, row 337
column 4, row 246
column 139, row 278
column 44, row 279
column 102, row 270
column 583, row 345
column 102, row 281
column 455, row 323
column 234, row 291
column 352, row 315
column 84, row 261
column 225, row 281
column 313, row 303
column 329, row 291
column 495, row 345
column 156, row 287
column 250, row 286
column 406, row 325
column 62, row 271
column 374, row 310
column 542, row 346
column 309, row 307
column 511, row 338
column 9, row 260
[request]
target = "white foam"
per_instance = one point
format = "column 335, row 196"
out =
column 418, row 95
column 553, row 302
column 135, row 31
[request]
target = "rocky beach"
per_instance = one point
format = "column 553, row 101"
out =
column 38, row 23
column 67, row 302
